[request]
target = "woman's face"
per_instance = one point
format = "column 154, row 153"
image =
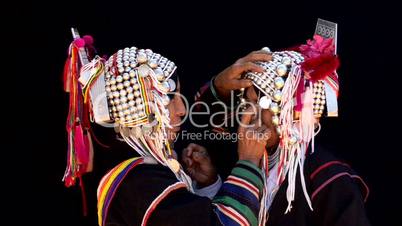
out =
column 176, row 111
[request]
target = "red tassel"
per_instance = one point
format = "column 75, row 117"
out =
column 318, row 68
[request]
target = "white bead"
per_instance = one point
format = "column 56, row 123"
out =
column 119, row 107
column 140, row 106
column 120, row 86
column 116, row 94
column 264, row 102
column 112, row 81
column 142, row 57
column 123, row 92
column 136, row 86
column 172, row 85
column 129, row 89
column 121, row 69
column 126, row 84
column 152, row 63
column 137, row 93
column 124, row 105
column 281, row 69
column 279, row 82
column 131, row 103
column 108, row 89
column 138, row 100
column 126, row 62
column 133, row 109
column 126, row 112
column 128, row 118
column 123, row 99
column 274, row 108
column 130, row 96
column 141, row 113
column 286, row 61
column 266, row 49
column 117, row 101
column 277, row 95
column 126, row 76
column 119, row 78
column 133, row 64
column 121, row 114
column 159, row 74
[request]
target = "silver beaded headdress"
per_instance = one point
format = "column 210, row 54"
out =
column 298, row 87
column 132, row 93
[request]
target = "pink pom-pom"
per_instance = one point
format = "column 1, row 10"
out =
column 79, row 42
column 88, row 39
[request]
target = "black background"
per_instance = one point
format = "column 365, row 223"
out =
column 203, row 38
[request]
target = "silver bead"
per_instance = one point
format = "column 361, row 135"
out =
column 124, row 105
column 277, row 95
column 281, row 69
column 286, row 61
column 159, row 74
column 266, row 49
column 129, row 89
column 119, row 78
column 152, row 63
column 130, row 96
column 137, row 93
column 172, row 85
column 116, row 94
column 264, row 102
column 119, row 107
column 140, row 107
column 259, row 82
column 123, row 92
column 165, row 86
column 126, row 76
column 165, row 100
column 274, row 108
column 279, row 82
column 133, row 64
column 142, row 58
column 112, row 81
column 120, row 86
column 132, row 73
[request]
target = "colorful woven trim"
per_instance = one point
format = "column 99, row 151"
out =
column 109, row 185
column 238, row 201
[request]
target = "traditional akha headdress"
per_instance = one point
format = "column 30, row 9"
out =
column 298, row 86
column 129, row 92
